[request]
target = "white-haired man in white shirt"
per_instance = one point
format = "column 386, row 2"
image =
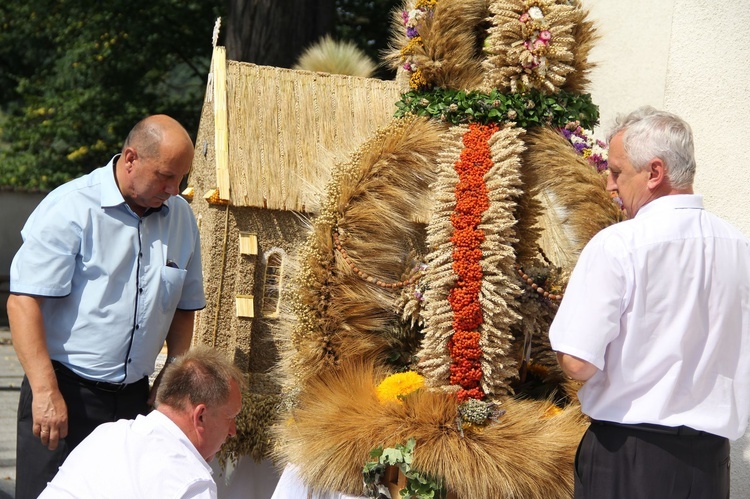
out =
column 656, row 321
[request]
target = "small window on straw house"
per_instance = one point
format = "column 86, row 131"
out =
column 272, row 282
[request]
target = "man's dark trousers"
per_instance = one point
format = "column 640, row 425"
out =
column 651, row 462
column 89, row 405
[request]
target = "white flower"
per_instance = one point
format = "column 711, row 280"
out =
column 597, row 149
column 536, row 13
column 415, row 16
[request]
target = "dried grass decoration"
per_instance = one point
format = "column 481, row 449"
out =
column 410, row 277
column 337, row 57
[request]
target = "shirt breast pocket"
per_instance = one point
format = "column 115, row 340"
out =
column 172, row 280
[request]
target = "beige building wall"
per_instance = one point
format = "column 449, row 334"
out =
column 690, row 57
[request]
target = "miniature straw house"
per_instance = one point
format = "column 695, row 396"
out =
column 267, row 137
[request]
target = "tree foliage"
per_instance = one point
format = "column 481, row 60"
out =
column 367, row 23
column 274, row 32
column 76, row 75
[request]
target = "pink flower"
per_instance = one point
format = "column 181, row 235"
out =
column 539, row 44
column 524, row 18
column 545, row 35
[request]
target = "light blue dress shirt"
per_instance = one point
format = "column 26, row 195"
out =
column 110, row 295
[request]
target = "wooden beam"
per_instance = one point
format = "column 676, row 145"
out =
column 221, row 130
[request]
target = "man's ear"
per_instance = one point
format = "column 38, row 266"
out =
column 657, row 173
column 129, row 155
column 199, row 417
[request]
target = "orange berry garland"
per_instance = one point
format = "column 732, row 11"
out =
column 472, row 200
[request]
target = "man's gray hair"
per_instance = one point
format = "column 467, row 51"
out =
column 649, row 133
column 200, row 376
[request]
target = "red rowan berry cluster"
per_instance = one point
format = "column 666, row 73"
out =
column 472, row 201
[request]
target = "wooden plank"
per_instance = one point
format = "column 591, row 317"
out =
column 248, row 243
column 221, row 130
column 244, row 306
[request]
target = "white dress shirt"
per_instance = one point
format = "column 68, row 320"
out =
column 148, row 457
column 660, row 304
column 291, row 486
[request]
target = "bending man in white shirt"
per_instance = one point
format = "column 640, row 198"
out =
column 164, row 454
column 656, row 320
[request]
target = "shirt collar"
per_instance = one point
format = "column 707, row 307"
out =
column 175, row 430
column 111, row 195
column 672, row 202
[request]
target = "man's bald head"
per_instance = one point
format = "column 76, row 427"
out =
column 149, row 133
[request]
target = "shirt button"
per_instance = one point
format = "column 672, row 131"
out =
column 130, row 360
column 137, row 326
column 140, row 290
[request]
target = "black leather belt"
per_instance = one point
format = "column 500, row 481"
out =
column 104, row 386
column 684, row 431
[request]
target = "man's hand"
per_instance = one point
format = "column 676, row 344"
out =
column 48, row 409
column 50, row 415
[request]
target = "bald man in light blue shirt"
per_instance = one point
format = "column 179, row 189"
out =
column 109, row 270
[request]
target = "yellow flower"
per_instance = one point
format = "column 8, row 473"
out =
column 427, row 4
column 417, row 80
column 411, row 45
column 396, row 386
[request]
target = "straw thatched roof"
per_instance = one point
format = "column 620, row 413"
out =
column 280, row 127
